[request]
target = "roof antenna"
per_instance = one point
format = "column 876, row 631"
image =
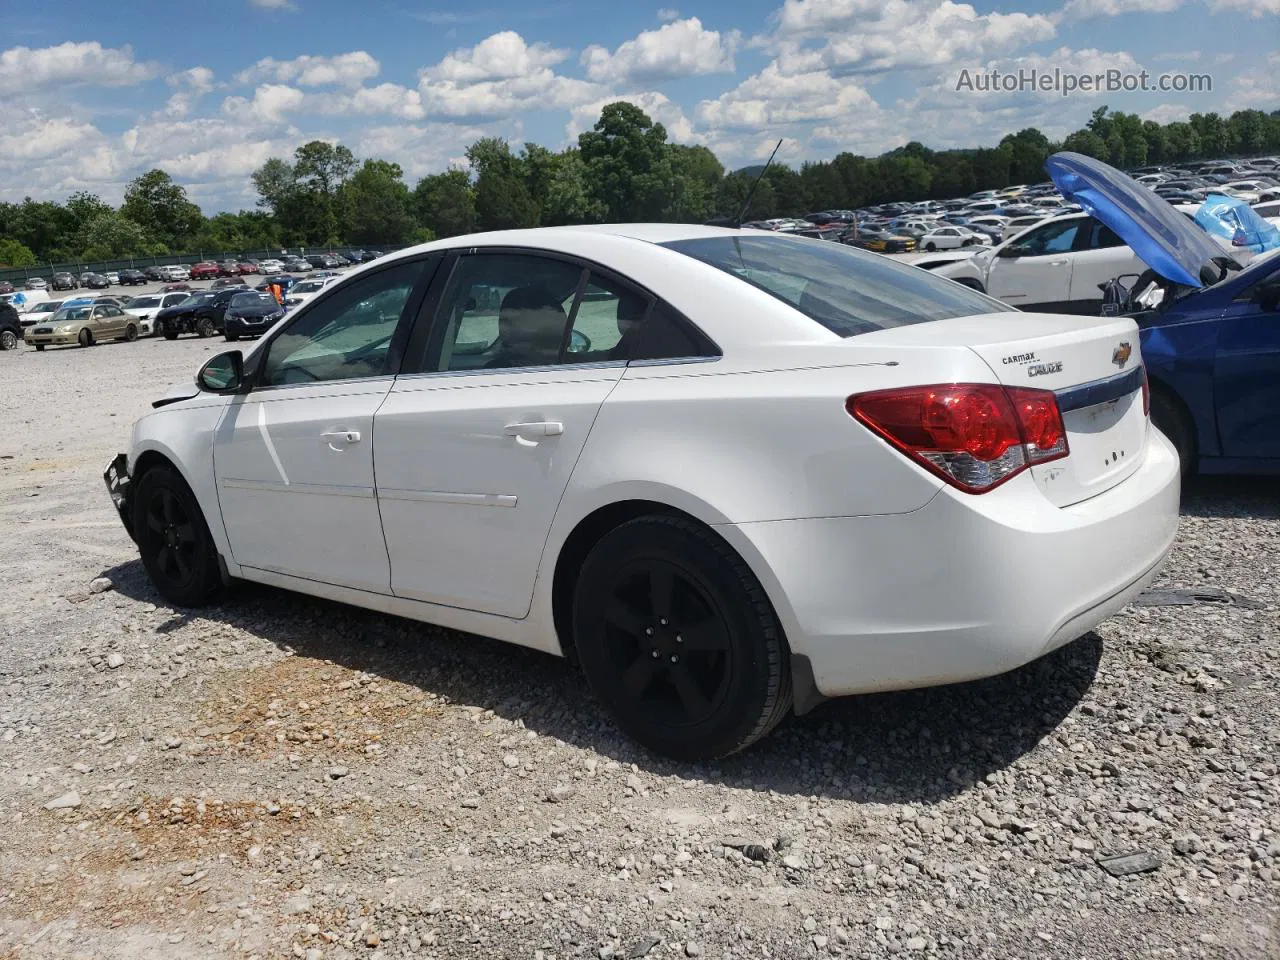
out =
column 737, row 221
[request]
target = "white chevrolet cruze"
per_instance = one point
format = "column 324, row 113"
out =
column 731, row 473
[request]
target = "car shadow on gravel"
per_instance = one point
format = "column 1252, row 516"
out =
column 1246, row 497
column 917, row 746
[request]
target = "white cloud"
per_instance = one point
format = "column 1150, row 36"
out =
column 771, row 98
column 346, row 69
column 866, row 36
column 658, row 106
column 1176, row 56
column 189, row 86
column 682, row 48
column 501, row 76
column 270, row 103
column 274, row 4
column 502, row 56
column 1254, row 8
column 666, row 14
column 1167, row 113
column 24, row 70
column 1256, row 89
column 1088, row 9
column 386, row 99
column 423, row 148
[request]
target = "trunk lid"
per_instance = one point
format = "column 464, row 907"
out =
column 1094, row 367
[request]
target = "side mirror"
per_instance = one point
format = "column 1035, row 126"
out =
column 223, row 373
column 1012, row 250
column 579, row 342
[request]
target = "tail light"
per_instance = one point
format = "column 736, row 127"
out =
column 975, row 436
column 1146, row 393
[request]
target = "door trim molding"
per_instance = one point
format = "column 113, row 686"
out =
column 275, row 486
column 440, row 496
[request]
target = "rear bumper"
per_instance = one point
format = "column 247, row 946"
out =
column 965, row 587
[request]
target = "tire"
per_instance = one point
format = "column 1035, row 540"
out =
column 131, row 333
column 231, row 337
column 734, row 684
column 86, row 338
column 174, row 540
column 40, row 347
column 170, row 334
column 205, row 328
column 1172, row 419
column 931, row 246
column 8, row 340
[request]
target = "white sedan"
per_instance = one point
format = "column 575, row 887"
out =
column 951, row 238
column 731, row 472
column 304, row 290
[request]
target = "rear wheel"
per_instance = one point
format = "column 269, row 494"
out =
column 174, row 541
column 86, row 338
column 678, row 639
column 1172, row 419
column 8, row 340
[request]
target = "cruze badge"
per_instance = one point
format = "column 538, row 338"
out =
column 1120, row 356
column 1041, row 369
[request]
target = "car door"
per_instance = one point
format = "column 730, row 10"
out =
column 474, row 449
column 100, row 324
column 1033, row 271
column 293, row 458
column 1246, row 375
column 1099, row 255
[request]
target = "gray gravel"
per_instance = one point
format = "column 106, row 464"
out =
column 281, row 777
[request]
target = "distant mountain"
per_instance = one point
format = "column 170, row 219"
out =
column 751, row 171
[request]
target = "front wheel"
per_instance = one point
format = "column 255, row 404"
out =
column 205, row 328
column 174, row 540
column 40, row 347
column 931, row 246
column 85, row 339
column 232, row 337
column 131, row 333
column 677, row 638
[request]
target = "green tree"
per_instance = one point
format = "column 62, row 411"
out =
column 503, row 202
column 568, row 199
column 1027, row 150
column 628, row 165
column 275, row 182
column 1088, row 143
column 377, row 203
column 161, row 208
column 111, row 235
column 14, row 254
column 445, row 203
column 695, row 178
column 1184, row 142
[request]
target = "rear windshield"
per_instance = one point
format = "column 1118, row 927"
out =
column 848, row 291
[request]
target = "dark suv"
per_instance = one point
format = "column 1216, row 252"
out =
column 201, row 314
column 64, row 281
column 130, row 278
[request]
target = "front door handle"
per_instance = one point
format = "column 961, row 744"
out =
column 539, row 428
column 1057, row 263
column 341, row 436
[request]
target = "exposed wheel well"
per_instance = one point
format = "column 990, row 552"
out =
column 585, row 536
column 1182, row 411
column 971, row 283
column 150, row 459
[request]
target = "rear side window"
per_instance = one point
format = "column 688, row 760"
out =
column 847, row 291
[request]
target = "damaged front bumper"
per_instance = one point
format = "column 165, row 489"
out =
column 118, row 484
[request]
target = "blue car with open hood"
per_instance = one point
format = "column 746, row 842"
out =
column 1210, row 330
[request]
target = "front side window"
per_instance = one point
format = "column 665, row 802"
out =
column 1050, row 239
column 505, row 310
column 845, row 290
column 347, row 334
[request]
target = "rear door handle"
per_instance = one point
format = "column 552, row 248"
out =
column 539, row 428
column 341, row 436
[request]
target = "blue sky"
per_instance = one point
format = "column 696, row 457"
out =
column 209, row 91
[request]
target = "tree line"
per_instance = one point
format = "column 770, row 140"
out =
column 623, row 169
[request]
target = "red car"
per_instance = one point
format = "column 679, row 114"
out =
column 247, row 267
column 205, row 271
column 229, row 268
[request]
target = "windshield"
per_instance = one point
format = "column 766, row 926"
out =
column 72, row 313
column 846, row 290
column 253, row 300
column 195, row 299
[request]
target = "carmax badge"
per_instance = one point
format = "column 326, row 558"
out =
column 1120, row 356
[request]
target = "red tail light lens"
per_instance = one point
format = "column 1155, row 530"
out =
column 1146, row 393
column 973, row 435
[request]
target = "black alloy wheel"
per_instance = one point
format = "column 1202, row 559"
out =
column 677, row 638
column 173, row 539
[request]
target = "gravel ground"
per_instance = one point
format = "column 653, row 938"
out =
column 282, row 777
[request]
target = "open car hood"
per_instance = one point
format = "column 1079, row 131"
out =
column 1165, row 240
